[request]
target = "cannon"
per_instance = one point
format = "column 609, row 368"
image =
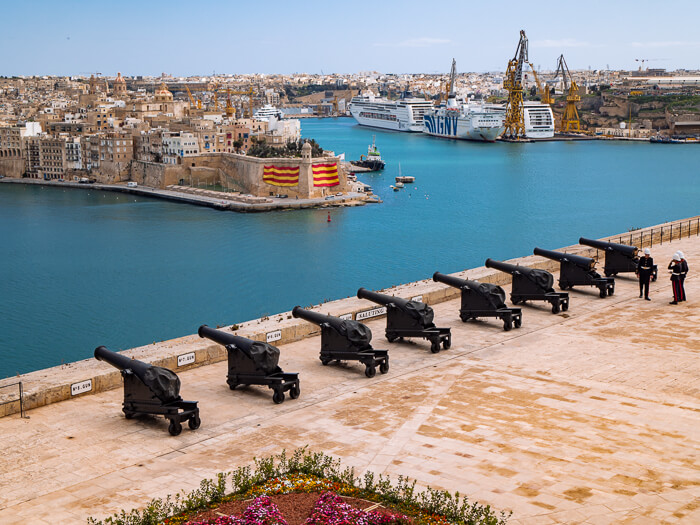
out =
column 346, row 340
column 575, row 270
column 619, row 258
column 406, row 318
column 151, row 390
column 482, row 300
column 531, row 284
column 253, row 363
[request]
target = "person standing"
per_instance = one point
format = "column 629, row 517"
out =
column 684, row 272
column 675, row 267
column 645, row 267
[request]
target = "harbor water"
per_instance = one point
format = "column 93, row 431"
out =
column 83, row 268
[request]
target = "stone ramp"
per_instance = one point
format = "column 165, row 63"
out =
column 589, row 416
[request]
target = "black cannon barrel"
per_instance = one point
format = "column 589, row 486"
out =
column 380, row 298
column 224, row 338
column 604, row 245
column 506, row 267
column 455, row 282
column 317, row 318
column 120, row 361
column 578, row 260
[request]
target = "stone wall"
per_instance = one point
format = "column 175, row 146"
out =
column 156, row 175
column 12, row 167
column 48, row 386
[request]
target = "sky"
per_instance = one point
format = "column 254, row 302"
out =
column 150, row 37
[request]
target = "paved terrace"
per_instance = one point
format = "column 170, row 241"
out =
column 589, row 416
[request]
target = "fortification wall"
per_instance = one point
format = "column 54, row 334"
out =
column 54, row 384
column 12, row 167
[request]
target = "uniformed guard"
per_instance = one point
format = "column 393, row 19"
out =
column 684, row 272
column 645, row 267
column 675, row 267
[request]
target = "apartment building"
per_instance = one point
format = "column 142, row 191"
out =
column 178, row 145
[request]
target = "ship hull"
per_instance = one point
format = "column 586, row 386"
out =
column 462, row 127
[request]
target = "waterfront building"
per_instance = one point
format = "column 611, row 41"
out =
column 178, row 145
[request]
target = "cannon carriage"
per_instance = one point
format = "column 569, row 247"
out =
column 575, row 270
column 619, row 258
column 151, row 390
column 482, row 300
column 406, row 318
column 532, row 284
column 253, row 363
column 346, row 340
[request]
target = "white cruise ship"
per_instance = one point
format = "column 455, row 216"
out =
column 466, row 121
column 267, row 111
column 405, row 114
column 539, row 120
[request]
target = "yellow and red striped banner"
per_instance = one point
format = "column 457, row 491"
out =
column 325, row 174
column 281, row 175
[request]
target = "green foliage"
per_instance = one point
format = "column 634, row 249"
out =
column 401, row 495
column 261, row 149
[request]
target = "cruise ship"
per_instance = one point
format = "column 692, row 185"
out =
column 539, row 120
column 464, row 120
column 267, row 111
column 405, row 114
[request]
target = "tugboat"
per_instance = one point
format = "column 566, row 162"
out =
column 373, row 161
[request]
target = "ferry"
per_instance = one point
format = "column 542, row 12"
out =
column 267, row 111
column 405, row 114
column 539, row 120
column 464, row 120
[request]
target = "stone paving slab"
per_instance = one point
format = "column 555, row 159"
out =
column 589, row 416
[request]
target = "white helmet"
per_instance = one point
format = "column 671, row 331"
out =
column 680, row 254
column 676, row 257
column 647, row 251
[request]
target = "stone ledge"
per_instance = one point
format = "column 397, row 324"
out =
column 52, row 385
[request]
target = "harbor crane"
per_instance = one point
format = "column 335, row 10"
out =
column 513, row 83
column 544, row 94
column 569, row 120
column 193, row 104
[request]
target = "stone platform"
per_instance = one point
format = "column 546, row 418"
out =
column 589, row 416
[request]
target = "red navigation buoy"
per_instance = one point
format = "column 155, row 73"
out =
column 329, row 217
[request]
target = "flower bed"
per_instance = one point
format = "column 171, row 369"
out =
column 313, row 490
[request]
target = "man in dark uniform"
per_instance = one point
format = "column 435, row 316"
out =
column 675, row 267
column 644, row 270
column 684, row 272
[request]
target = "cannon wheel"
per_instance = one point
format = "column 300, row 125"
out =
column 295, row 391
column 384, row 366
column 391, row 337
column 654, row 276
column 174, row 428
column 325, row 361
column 603, row 293
column 611, row 290
column 464, row 317
column 435, row 346
column 565, row 306
column 232, row 386
column 194, row 422
column 446, row 343
column 518, row 322
column 278, row 397
column 514, row 300
column 129, row 415
column 555, row 308
column 507, row 325
column 370, row 370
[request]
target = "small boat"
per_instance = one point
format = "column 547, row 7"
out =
column 373, row 161
column 399, row 184
column 405, row 179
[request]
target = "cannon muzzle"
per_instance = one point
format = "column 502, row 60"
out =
column 120, row 361
column 224, row 338
column 630, row 251
column 315, row 317
column 455, row 282
column 353, row 331
column 380, row 298
column 162, row 382
column 505, row 267
column 263, row 354
column 577, row 260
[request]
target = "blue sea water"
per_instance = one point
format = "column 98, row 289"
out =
column 82, row 268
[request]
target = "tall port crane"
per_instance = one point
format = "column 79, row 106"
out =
column 193, row 104
column 513, row 83
column 569, row 120
column 544, row 94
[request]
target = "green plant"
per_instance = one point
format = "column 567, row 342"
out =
column 425, row 505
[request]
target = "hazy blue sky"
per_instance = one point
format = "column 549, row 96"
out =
column 182, row 38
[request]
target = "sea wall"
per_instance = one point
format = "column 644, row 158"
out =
column 63, row 382
column 12, row 167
